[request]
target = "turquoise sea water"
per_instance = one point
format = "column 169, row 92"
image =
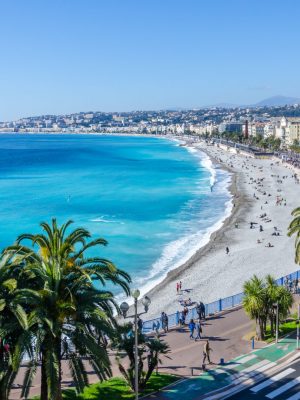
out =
column 149, row 197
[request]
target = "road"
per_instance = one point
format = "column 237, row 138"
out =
column 283, row 385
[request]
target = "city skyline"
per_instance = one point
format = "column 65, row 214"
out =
column 71, row 57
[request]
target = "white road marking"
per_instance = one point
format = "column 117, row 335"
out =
column 255, row 366
column 283, row 388
column 240, row 361
column 274, row 378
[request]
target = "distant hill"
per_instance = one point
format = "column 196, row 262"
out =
column 278, row 101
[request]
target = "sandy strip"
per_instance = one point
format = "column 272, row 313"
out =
column 211, row 274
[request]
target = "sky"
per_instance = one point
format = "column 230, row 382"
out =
column 64, row 56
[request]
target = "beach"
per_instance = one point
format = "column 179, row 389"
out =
column 264, row 192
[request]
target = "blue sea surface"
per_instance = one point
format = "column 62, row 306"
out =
column 151, row 199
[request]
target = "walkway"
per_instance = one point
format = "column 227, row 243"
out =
column 243, row 368
column 225, row 332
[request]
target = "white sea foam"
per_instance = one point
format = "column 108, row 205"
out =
column 206, row 163
column 103, row 220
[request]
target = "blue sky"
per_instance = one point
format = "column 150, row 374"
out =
column 61, row 56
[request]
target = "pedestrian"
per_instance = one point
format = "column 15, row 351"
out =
column 202, row 306
column 182, row 318
column 198, row 330
column 206, row 352
column 180, row 285
column 164, row 322
column 140, row 324
column 227, row 250
column 177, row 287
column 192, row 328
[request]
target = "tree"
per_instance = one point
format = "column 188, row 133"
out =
column 66, row 307
column 294, row 229
column 254, row 303
column 149, row 355
column 15, row 339
column 260, row 299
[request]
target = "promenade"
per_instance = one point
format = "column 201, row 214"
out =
column 225, row 332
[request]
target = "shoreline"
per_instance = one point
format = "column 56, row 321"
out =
column 209, row 273
column 203, row 273
column 215, row 236
column 210, row 230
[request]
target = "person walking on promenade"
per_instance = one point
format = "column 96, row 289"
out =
column 192, row 328
column 198, row 310
column 202, row 307
column 177, row 287
column 206, row 352
column 164, row 322
column 227, row 250
column 180, row 285
column 182, row 318
column 198, row 330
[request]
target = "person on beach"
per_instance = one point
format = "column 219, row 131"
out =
column 192, row 328
column 177, row 287
column 198, row 330
column 206, row 352
column 227, row 250
column 180, row 285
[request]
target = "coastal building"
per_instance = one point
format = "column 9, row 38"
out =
column 233, row 126
column 255, row 129
column 288, row 130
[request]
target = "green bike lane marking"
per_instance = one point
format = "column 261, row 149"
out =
column 222, row 376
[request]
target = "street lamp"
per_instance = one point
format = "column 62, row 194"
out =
column 276, row 305
column 298, row 326
column 124, row 307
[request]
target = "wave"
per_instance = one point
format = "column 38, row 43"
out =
column 206, row 163
column 106, row 221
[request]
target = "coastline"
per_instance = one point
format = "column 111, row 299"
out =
column 209, row 273
column 203, row 273
column 215, row 236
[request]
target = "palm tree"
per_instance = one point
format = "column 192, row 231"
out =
column 294, row 228
column 15, row 339
column 149, row 355
column 259, row 300
column 254, row 303
column 272, row 298
column 66, row 306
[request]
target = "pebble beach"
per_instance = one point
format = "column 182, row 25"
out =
column 264, row 193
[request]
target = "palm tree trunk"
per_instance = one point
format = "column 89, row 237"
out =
column 44, row 386
column 258, row 330
column 58, row 352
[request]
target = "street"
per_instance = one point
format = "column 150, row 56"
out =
column 283, row 385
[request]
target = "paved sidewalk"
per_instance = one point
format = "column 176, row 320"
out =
column 241, row 368
column 225, row 332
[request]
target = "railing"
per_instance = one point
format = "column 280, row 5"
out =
column 217, row 306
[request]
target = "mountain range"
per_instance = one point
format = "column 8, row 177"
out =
column 277, row 101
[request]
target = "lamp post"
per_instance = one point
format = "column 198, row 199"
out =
column 298, row 326
column 276, row 305
column 124, row 307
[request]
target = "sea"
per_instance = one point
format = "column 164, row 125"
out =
column 155, row 201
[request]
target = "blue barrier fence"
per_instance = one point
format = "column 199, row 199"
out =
column 217, row 306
